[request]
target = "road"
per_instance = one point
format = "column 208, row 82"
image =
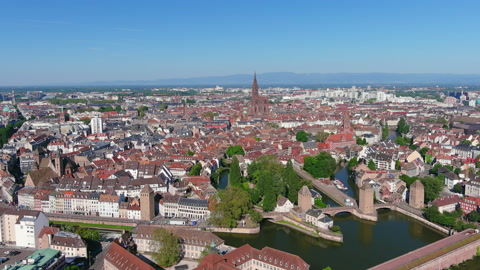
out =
column 330, row 190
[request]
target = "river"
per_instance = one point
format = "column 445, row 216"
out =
column 366, row 243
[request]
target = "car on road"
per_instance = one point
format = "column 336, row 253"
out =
column 3, row 259
column 6, row 252
column 13, row 253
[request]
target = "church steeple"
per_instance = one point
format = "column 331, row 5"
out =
column 254, row 85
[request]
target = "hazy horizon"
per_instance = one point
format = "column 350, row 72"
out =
column 65, row 42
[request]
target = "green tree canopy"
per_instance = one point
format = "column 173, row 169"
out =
column 352, row 162
column 321, row 165
column 402, row 126
column 321, row 136
column 235, row 150
column 234, row 202
column 166, row 247
column 432, row 186
column 88, row 233
column 196, row 169
column 302, row 136
column 293, row 182
column 385, row 132
column 371, row 165
column 235, row 176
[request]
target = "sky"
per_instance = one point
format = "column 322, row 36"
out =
column 55, row 42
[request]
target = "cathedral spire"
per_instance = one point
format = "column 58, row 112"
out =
column 255, row 85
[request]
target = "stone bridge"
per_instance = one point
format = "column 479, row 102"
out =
column 332, row 211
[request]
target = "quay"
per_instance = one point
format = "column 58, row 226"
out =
column 331, row 190
column 442, row 254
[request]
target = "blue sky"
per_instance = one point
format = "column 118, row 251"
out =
column 43, row 42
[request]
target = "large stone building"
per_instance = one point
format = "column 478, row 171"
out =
column 193, row 242
column 247, row 257
column 417, row 195
column 259, row 104
column 365, row 199
column 304, row 199
column 118, row 258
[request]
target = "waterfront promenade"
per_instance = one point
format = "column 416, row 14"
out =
column 330, row 190
column 439, row 255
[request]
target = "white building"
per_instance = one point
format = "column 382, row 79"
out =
column 96, row 125
column 22, row 227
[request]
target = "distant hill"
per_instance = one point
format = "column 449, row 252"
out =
column 290, row 78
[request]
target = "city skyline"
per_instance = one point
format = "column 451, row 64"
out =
column 65, row 42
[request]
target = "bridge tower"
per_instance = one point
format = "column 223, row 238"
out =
column 304, row 199
column 417, row 195
column 147, row 207
column 365, row 199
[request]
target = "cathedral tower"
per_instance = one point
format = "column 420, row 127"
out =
column 258, row 103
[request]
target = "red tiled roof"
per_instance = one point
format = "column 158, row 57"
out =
column 124, row 260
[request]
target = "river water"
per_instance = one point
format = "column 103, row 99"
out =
column 366, row 243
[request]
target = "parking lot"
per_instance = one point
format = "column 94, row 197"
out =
column 22, row 253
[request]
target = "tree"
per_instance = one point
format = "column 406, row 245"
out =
column 88, row 233
column 335, row 228
column 466, row 142
column 432, row 186
column 352, row 163
column 67, row 228
column 196, row 169
column 385, row 132
column 361, row 141
column 255, row 215
column 166, row 247
column 402, row 126
column 235, row 150
column 423, row 152
column 190, row 153
column 118, row 108
column 234, row 202
column 402, row 140
column 235, row 175
column 302, row 136
column 269, row 200
column 321, row 165
column 473, row 216
column 457, row 188
column 435, row 168
column 293, row 182
column 321, row 136
column 398, row 165
column 371, row 165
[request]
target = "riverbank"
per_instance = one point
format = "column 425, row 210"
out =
column 308, row 229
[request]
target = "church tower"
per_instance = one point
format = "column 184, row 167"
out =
column 258, row 103
column 365, row 199
column 416, row 198
column 147, row 207
column 304, row 199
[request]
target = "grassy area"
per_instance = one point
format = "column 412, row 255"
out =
column 291, row 224
column 91, row 225
column 441, row 252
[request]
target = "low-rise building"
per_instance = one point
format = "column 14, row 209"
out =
column 448, row 203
